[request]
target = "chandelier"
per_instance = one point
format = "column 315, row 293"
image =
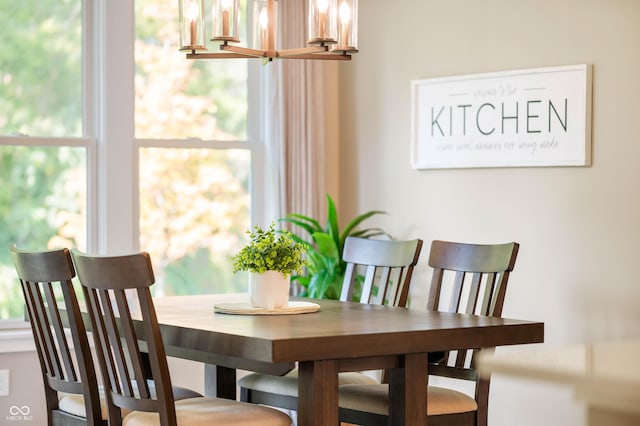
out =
column 332, row 30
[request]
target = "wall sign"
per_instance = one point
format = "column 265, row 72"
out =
column 535, row 117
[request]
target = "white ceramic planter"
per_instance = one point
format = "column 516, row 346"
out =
column 269, row 290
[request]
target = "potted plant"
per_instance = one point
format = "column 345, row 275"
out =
column 271, row 257
column 325, row 269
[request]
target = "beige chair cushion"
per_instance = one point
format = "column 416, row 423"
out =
column 74, row 404
column 214, row 411
column 288, row 384
column 375, row 399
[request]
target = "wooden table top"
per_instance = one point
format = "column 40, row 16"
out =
column 339, row 337
column 338, row 330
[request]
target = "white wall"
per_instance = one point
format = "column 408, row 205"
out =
column 25, row 389
column 579, row 228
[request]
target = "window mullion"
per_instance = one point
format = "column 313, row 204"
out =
column 116, row 157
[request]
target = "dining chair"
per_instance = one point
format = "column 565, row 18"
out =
column 61, row 341
column 467, row 278
column 46, row 280
column 122, row 313
column 383, row 269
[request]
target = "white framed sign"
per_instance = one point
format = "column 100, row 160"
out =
column 524, row 118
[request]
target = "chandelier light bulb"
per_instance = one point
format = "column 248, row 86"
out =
column 322, row 5
column 263, row 19
column 345, row 13
column 225, row 5
column 192, row 14
column 193, row 11
column 263, row 22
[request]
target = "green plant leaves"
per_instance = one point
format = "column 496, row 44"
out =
column 326, row 246
column 269, row 250
column 309, row 224
column 325, row 267
column 332, row 221
column 348, row 230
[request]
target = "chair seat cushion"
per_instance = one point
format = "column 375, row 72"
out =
column 288, row 384
column 74, row 403
column 375, row 399
column 214, row 411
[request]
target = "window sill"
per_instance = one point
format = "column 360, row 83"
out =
column 16, row 338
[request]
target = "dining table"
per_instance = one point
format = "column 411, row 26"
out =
column 338, row 336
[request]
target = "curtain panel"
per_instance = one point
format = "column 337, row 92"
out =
column 300, row 122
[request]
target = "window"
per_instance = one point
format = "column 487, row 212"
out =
column 194, row 198
column 101, row 157
column 42, row 152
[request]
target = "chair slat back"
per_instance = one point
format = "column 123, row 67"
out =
column 59, row 332
column 119, row 299
column 479, row 276
column 387, row 267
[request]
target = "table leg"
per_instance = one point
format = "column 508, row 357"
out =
column 408, row 392
column 317, row 393
column 219, row 381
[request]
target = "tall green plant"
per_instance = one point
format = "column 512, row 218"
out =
column 325, row 268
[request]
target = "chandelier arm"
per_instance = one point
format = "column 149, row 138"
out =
column 222, row 55
column 325, row 56
column 286, row 53
column 252, row 53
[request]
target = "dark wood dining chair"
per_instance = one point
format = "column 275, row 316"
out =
column 64, row 353
column 467, row 278
column 384, row 269
column 60, row 336
column 123, row 318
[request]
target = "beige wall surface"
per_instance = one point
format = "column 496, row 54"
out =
column 579, row 227
column 25, row 404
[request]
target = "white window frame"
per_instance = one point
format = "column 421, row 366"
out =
column 111, row 146
column 116, row 207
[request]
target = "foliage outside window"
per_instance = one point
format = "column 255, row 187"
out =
column 42, row 188
column 194, row 202
column 40, row 68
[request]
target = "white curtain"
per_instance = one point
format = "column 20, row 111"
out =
column 300, row 123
